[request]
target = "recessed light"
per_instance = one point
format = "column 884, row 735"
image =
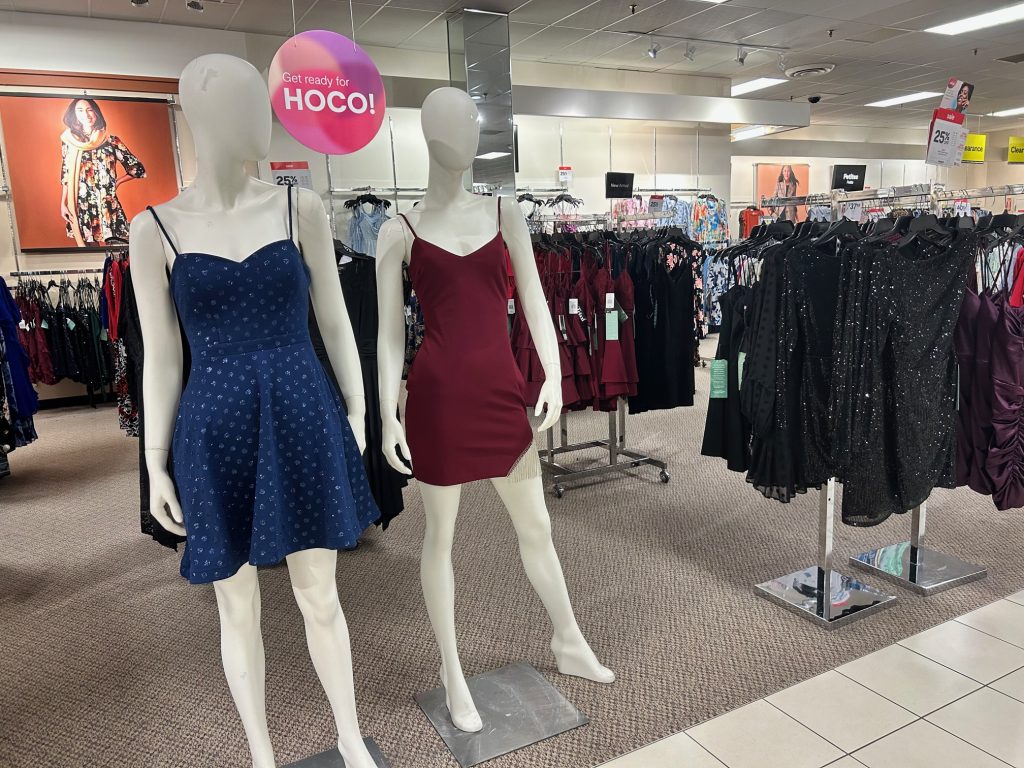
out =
column 140, row 3
column 195, row 5
column 752, row 132
column 492, row 155
column 982, row 21
column 904, row 99
column 756, row 85
column 1007, row 112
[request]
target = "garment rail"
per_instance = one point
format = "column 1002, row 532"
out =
column 620, row 458
column 57, row 272
column 820, row 593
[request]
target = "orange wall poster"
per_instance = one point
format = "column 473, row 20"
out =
column 80, row 168
column 782, row 180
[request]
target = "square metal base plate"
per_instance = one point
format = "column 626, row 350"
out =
column 518, row 706
column 332, row 758
column 847, row 600
column 920, row 570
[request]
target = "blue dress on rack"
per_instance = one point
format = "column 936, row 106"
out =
column 265, row 461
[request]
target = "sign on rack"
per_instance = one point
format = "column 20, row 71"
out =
column 291, row 173
column 327, row 92
column 565, row 175
column 962, row 207
column 947, row 137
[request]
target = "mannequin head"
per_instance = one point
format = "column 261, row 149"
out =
column 451, row 126
column 227, row 107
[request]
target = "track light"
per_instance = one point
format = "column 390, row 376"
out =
column 741, row 55
column 691, row 52
column 653, row 50
column 195, row 5
column 140, row 3
column 782, row 63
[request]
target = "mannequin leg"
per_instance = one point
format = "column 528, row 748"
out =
column 314, row 583
column 442, row 508
column 524, row 500
column 241, row 647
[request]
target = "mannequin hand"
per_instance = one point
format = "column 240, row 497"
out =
column 163, row 502
column 550, row 399
column 358, row 423
column 394, row 438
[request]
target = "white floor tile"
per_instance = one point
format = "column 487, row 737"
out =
column 968, row 651
column 909, row 679
column 842, row 711
column 1017, row 598
column 760, row 736
column 1001, row 619
column 1012, row 685
column 923, row 745
column 990, row 721
column 678, row 751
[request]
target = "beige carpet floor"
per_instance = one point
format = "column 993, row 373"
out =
column 108, row 658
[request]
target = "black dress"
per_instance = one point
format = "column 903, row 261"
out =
column 727, row 430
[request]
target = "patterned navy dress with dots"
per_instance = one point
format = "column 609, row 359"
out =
column 265, row 461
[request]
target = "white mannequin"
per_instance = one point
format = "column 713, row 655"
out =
column 228, row 213
column 457, row 220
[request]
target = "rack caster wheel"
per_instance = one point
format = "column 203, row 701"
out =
column 559, row 491
column 664, row 476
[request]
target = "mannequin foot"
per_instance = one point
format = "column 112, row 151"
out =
column 355, row 754
column 574, row 657
column 463, row 711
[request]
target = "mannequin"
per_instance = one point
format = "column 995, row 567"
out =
column 451, row 221
column 221, row 222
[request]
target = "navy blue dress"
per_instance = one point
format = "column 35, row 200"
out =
column 265, row 461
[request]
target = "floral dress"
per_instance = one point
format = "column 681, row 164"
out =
column 96, row 210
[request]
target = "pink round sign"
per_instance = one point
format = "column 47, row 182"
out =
column 327, row 92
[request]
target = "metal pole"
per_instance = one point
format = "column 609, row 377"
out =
column 655, row 157
column 330, row 197
column 394, row 165
column 613, row 439
column 826, row 529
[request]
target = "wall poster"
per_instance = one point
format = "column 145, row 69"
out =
column 783, row 180
column 80, row 167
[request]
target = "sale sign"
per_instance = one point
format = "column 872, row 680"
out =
column 1015, row 153
column 947, row 137
column 327, row 92
column 291, row 173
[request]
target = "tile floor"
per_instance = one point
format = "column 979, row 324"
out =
column 950, row 697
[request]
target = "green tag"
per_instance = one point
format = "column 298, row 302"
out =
column 739, row 369
column 71, row 324
column 719, row 379
column 611, row 325
column 44, row 325
column 103, row 335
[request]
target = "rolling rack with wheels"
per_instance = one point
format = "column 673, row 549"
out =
column 620, row 458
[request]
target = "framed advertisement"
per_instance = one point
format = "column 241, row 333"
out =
column 782, row 180
column 79, row 168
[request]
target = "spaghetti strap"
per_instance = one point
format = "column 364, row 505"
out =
column 403, row 218
column 164, row 230
column 499, row 215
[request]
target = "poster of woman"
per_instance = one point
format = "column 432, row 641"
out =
column 783, row 180
column 80, row 168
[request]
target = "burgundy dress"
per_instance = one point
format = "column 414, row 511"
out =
column 466, row 412
column 1005, row 460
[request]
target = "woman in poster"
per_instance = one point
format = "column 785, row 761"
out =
column 787, row 186
column 89, row 176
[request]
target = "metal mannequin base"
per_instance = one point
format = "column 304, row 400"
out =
column 332, row 758
column 518, row 708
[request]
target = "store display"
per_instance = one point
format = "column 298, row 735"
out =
column 18, row 400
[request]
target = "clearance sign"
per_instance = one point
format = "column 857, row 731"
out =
column 1016, row 154
column 974, row 149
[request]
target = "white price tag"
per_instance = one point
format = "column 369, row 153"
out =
column 947, row 138
column 609, row 301
column 574, row 306
column 511, row 306
column 853, row 210
column 962, row 207
column 292, row 174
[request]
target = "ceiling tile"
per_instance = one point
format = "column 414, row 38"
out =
column 433, row 37
column 437, row 6
column 518, row 32
column 543, row 43
column 391, row 26
column 264, row 16
column 658, row 15
column 548, row 12
column 590, row 47
column 215, row 15
column 335, row 16
column 125, row 11
column 713, row 17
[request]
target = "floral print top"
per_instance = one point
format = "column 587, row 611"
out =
column 98, row 211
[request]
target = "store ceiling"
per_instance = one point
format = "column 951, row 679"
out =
column 878, row 46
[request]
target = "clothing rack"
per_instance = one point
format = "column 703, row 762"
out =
column 660, row 191
column 53, row 272
column 620, row 458
column 820, row 593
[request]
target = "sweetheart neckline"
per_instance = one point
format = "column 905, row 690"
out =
column 453, row 253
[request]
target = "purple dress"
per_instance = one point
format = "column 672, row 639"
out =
column 1005, row 462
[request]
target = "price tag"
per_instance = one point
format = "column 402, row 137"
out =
column 44, row 325
column 962, row 207
column 947, row 138
column 853, row 210
column 24, row 326
column 574, row 306
column 719, row 379
column 609, row 301
column 565, row 175
column 511, row 306
column 741, row 363
column 294, row 173
column 611, row 326
column 71, row 324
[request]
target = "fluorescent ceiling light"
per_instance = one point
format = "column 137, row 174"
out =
column 751, row 133
column 904, row 99
column 492, row 155
column 981, row 21
column 1007, row 112
column 755, row 85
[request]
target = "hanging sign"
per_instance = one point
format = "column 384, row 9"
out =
column 565, row 175
column 947, row 137
column 957, row 96
column 962, row 207
column 327, row 92
column 974, row 149
column 1016, row 151
column 292, row 173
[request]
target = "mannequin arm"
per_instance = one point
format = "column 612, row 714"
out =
column 535, row 306
column 161, row 373
column 392, row 246
column 329, row 307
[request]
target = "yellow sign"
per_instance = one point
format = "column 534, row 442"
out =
column 1016, row 154
column 974, row 150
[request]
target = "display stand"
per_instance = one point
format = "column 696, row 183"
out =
column 332, row 758
column 821, row 594
column 913, row 566
column 518, row 708
column 620, row 458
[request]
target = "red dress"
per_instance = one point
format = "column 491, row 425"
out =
column 466, row 412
